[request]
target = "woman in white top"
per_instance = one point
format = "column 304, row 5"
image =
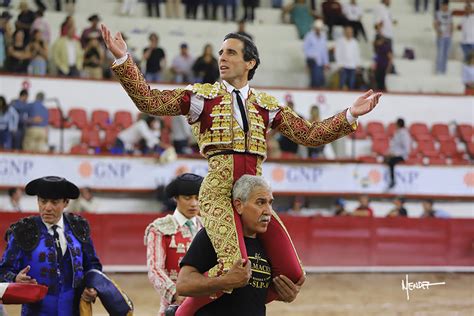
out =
column 143, row 135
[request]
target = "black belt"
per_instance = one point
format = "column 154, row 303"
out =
column 229, row 152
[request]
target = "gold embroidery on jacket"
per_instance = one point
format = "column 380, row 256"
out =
column 314, row 134
column 151, row 101
column 216, row 209
column 225, row 133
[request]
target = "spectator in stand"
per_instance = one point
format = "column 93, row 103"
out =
column 443, row 25
column 67, row 24
column 40, row 4
column 363, row 210
column 347, row 59
column 429, row 211
column 155, row 59
column 241, row 29
column 22, row 108
column 384, row 20
column 13, row 203
column 92, row 31
column 143, row 135
column 205, row 68
column 181, row 135
column 38, row 50
column 182, row 66
column 332, row 12
column 467, row 27
column 316, row 52
column 42, row 25
column 468, row 74
column 383, row 59
column 300, row 207
column 18, row 56
column 191, row 9
column 173, row 9
column 301, row 16
column 70, row 6
column 215, row 4
column 277, row 4
column 93, row 57
column 339, row 207
column 25, row 19
column 36, row 135
column 233, row 9
column 400, row 146
column 249, row 9
column 353, row 13
column 153, row 3
column 67, row 54
column 128, row 7
column 85, row 203
column 5, row 36
column 315, row 152
column 417, row 6
column 8, row 124
column 399, row 210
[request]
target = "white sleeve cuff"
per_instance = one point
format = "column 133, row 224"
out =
column 121, row 60
column 351, row 119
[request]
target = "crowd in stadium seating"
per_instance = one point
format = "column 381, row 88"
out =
column 27, row 48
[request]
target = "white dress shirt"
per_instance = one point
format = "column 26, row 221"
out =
column 60, row 230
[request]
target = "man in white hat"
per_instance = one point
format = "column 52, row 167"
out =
column 316, row 52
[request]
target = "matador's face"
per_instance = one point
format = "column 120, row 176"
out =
column 232, row 65
column 188, row 205
column 51, row 210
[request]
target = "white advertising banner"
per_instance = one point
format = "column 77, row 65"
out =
column 130, row 173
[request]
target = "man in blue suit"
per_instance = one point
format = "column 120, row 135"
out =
column 53, row 249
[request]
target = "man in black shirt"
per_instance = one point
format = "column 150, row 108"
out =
column 249, row 281
column 155, row 59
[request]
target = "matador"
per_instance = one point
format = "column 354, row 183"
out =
column 229, row 121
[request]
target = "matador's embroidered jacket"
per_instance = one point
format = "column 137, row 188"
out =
column 166, row 242
column 230, row 152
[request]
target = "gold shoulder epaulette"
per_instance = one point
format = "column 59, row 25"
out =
column 206, row 90
column 166, row 225
column 266, row 101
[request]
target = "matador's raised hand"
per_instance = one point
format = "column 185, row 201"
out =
column 365, row 103
column 116, row 44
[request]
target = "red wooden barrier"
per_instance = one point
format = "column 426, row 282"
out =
column 320, row 241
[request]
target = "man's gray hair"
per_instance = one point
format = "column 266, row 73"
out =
column 244, row 186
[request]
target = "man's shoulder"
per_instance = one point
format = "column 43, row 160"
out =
column 79, row 226
column 26, row 232
column 207, row 90
column 265, row 100
column 166, row 225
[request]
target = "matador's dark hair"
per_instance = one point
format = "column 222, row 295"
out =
column 250, row 51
